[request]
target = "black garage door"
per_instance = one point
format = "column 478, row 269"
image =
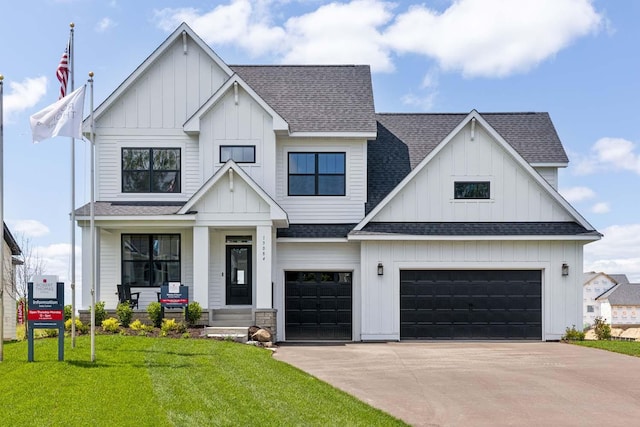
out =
column 317, row 305
column 470, row 304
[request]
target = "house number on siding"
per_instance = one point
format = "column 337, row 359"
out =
column 264, row 248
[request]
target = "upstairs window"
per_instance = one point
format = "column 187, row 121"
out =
column 471, row 190
column 150, row 170
column 238, row 153
column 316, row 174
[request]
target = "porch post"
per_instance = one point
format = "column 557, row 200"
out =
column 201, row 265
column 263, row 267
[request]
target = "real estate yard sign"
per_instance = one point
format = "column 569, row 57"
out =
column 174, row 295
column 46, row 310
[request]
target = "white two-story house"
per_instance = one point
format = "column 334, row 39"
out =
column 280, row 191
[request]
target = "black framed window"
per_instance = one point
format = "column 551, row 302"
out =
column 150, row 170
column 238, row 153
column 150, row 259
column 316, row 174
column 471, row 190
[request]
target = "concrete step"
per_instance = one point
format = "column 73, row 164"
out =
column 244, row 323
column 234, row 333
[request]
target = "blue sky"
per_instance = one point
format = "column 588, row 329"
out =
column 576, row 59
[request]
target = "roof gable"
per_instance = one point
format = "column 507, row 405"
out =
column 474, row 118
column 180, row 35
column 235, row 172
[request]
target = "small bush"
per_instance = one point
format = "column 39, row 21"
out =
column 572, row 334
column 67, row 312
column 101, row 313
column 124, row 313
column 155, row 313
column 193, row 313
column 50, row 333
column 602, row 329
column 170, row 325
column 137, row 325
column 81, row 328
column 111, row 325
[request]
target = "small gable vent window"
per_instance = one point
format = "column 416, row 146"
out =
column 238, row 153
column 150, row 170
column 471, row 190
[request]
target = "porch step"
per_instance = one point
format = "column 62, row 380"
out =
column 240, row 317
column 235, row 333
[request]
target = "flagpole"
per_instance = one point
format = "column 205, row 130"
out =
column 73, row 202
column 1, row 220
column 92, row 230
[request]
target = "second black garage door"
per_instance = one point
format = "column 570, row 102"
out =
column 317, row 305
column 471, row 304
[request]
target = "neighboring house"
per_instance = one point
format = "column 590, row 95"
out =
column 594, row 285
column 279, row 191
column 10, row 249
column 620, row 305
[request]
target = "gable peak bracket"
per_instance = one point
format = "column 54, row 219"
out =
column 231, row 180
column 235, row 92
column 473, row 128
column 184, row 41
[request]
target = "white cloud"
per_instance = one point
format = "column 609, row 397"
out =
column 616, row 252
column 601, row 208
column 489, row 38
column 493, row 38
column 105, row 24
column 28, row 227
column 610, row 154
column 422, row 103
column 577, row 194
column 24, row 95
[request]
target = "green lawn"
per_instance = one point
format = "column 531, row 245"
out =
column 142, row 381
column 632, row 348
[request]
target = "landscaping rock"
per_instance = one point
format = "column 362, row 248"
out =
column 253, row 330
column 261, row 335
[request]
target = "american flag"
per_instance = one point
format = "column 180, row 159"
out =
column 62, row 72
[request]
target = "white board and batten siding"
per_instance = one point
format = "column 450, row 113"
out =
column 110, row 265
column 9, row 295
column 340, row 257
column 561, row 305
column 151, row 113
column 244, row 123
column 550, row 174
column 514, row 193
column 324, row 209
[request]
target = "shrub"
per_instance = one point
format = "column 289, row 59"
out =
column 111, row 325
column 193, row 313
column 155, row 313
column 602, row 329
column 101, row 314
column 137, row 325
column 50, row 333
column 81, row 328
column 170, row 325
column 124, row 313
column 67, row 312
column 572, row 334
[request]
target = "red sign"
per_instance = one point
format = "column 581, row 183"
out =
column 46, row 315
column 174, row 301
column 21, row 312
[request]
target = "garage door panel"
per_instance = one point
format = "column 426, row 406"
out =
column 470, row 304
column 318, row 305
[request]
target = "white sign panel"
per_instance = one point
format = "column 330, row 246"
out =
column 240, row 277
column 44, row 287
column 174, row 287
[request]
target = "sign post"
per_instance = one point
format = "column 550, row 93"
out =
column 46, row 310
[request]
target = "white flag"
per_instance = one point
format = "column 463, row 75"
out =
column 62, row 118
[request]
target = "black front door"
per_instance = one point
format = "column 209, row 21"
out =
column 239, row 275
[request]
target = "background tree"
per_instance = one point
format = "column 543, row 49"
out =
column 30, row 264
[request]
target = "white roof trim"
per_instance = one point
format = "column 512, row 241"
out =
column 192, row 125
column 277, row 213
column 147, row 63
column 394, row 237
column 505, row 145
column 549, row 165
column 367, row 135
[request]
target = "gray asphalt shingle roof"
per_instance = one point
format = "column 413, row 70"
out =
column 625, row 294
column 474, row 228
column 130, row 208
column 315, row 230
column 315, row 98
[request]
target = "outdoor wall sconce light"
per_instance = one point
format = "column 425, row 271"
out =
column 380, row 269
column 565, row 269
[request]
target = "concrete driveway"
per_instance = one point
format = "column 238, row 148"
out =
column 481, row 383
